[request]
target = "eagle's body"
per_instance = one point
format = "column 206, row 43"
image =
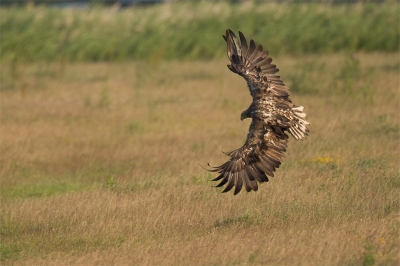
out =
column 272, row 114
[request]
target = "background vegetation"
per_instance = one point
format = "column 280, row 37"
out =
column 193, row 30
column 100, row 161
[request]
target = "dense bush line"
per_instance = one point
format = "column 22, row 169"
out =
column 193, row 30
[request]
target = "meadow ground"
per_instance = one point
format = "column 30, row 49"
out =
column 100, row 165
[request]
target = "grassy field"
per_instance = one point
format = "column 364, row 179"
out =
column 100, row 165
column 190, row 30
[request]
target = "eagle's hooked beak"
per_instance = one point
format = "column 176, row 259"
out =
column 244, row 115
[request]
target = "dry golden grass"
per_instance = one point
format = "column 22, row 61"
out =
column 100, row 166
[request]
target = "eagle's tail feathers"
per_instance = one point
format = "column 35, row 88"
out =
column 299, row 129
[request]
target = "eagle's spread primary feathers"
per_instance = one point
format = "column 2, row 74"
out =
column 272, row 114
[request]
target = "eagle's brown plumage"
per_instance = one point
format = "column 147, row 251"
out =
column 272, row 114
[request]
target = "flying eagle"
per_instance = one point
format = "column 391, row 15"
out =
column 272, row 114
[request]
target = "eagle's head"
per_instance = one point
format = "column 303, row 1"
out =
column 245, row 114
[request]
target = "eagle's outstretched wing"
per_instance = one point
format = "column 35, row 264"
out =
column 272, row 114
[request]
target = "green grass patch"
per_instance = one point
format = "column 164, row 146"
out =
column 193, row 30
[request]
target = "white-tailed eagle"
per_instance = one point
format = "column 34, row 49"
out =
column 272, row 113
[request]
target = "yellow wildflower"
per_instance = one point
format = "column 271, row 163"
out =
column 326, row 159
